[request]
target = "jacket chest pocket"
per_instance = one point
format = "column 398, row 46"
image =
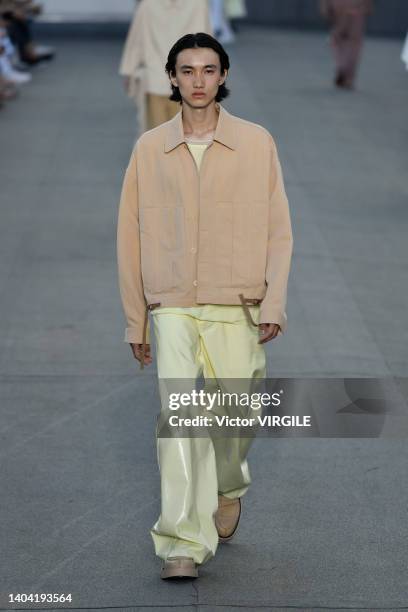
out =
column 163, row 240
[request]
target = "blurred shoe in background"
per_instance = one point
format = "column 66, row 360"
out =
column 10, row 74
column 34, row 54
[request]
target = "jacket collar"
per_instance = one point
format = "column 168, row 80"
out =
column 224, row 132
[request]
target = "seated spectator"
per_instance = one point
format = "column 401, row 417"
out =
column 7, row 90
column 8, row 65
column 18, row 15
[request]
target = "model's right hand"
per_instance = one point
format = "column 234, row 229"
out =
column 137, row 353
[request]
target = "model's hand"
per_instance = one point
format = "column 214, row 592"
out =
column 137, row 353
column 267, row 331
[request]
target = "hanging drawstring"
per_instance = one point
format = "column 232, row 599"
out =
column 246, row 309
column 146, row 318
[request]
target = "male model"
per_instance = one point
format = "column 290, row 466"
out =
column 348, row 18
column 204, row 243
column 155, row 26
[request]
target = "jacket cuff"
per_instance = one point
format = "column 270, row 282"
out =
column 274, row 316
column 134, row 335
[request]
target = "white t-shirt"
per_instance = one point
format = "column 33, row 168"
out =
column 197, row 149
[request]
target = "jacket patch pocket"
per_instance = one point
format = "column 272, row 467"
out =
column 164, row 226
column 148, row 250
column 171, row 231
column 250, row 237
column 222, row 231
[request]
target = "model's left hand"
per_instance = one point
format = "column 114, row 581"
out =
column 267, row 331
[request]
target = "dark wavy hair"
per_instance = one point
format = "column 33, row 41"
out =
column 193, row 41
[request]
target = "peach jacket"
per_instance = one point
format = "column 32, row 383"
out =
column 187, row 237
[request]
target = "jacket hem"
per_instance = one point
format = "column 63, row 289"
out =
column 208, row 297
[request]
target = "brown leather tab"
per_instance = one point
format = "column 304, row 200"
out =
column 144, row 338
column 246, row 309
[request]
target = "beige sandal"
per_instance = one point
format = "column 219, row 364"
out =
column 179, row 567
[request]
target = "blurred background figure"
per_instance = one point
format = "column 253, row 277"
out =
column 347, row 19
column 9, row 67
column 8, row 88
column 17, row 49
column 11, row 74
column 18, row 16
column 404, row 54
column 220, row 22
column 235, row 11
column 155, row 27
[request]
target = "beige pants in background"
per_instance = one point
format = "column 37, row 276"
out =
column 159, row 109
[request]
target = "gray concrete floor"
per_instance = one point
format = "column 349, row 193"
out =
column 324, row 525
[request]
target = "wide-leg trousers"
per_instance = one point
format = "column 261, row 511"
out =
column 218, row 343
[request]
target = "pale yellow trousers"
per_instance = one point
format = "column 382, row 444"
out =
column 218, row 343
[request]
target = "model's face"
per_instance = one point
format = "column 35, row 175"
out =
column 198, row 76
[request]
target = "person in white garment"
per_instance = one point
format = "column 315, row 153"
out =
column 220, row 23
column 156, row 25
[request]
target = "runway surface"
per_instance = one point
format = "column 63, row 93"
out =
column 324, row 524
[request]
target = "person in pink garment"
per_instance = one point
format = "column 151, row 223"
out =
column 348, row 19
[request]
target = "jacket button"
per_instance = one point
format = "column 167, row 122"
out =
column 193, row 250
column 195, row 283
